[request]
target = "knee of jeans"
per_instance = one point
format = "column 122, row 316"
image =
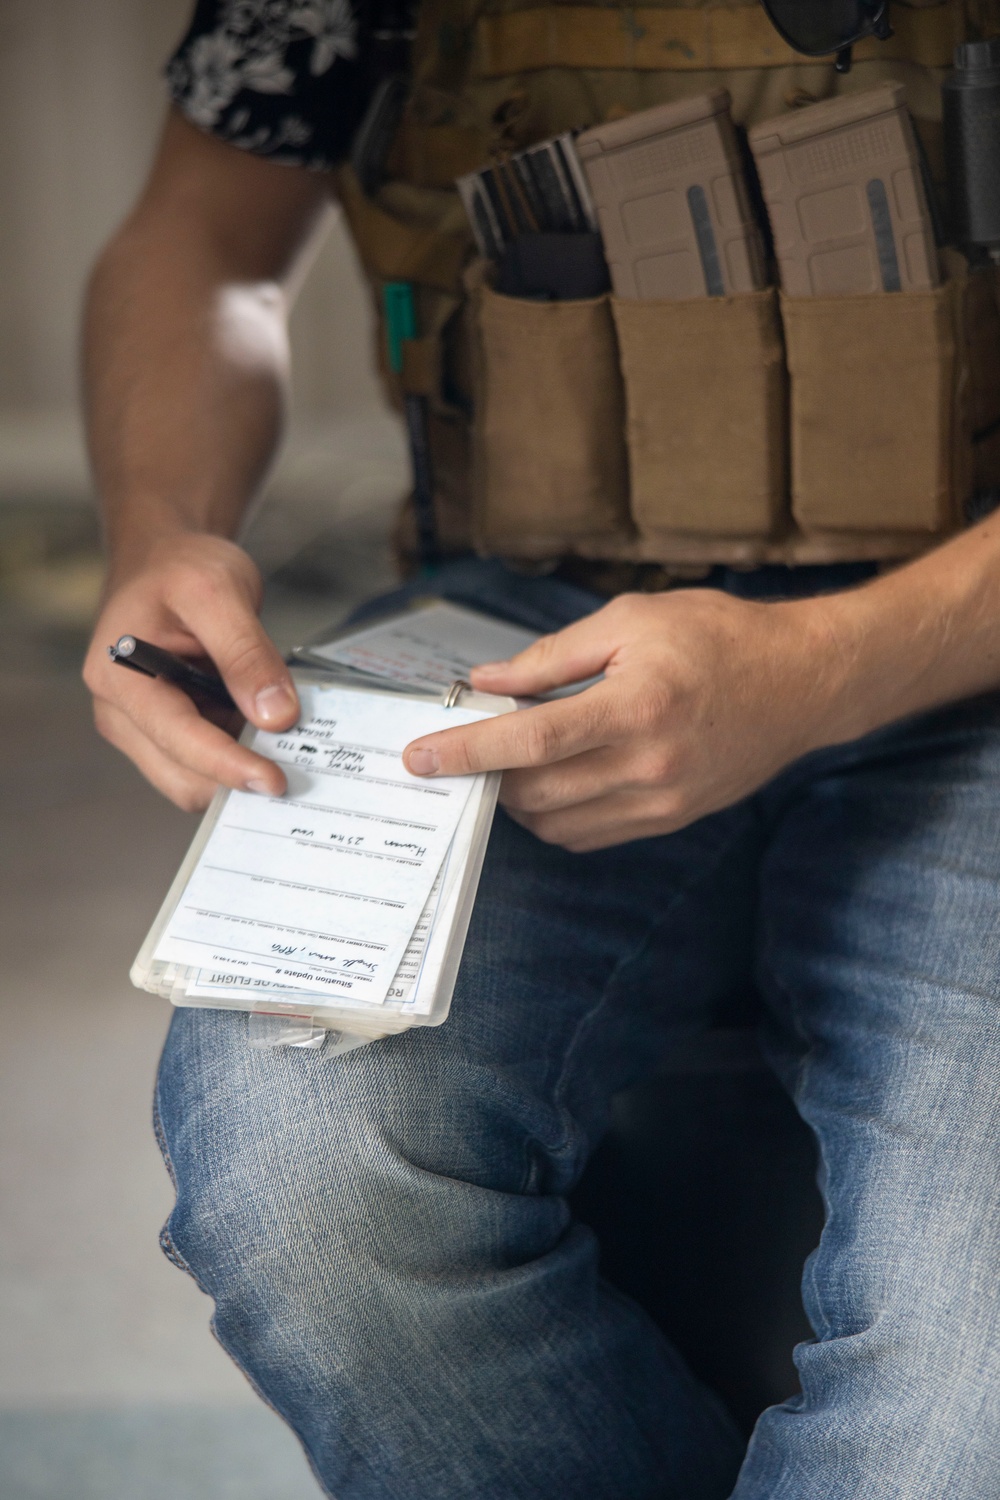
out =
column 357, row 1169
column 911, row 1345
column 905, row 1411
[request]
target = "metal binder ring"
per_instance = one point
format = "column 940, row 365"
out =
column 458, row 687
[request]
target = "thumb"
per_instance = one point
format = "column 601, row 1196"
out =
column 248, row 661
column 581, row 650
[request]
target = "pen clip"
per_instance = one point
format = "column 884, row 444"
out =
column 455, row 691
column 123, row 661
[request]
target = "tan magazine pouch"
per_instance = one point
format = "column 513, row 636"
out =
column 549, row 466
column 880, row 438
column 706, row 411
column 543, row 444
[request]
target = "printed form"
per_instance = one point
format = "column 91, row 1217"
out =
column 414, row 982
column 323, row 890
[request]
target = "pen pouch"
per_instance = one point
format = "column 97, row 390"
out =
column 706, row 405
column 549, row 471
column 880, row 419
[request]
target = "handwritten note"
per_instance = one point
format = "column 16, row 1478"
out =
column 218, row 982
column 322, row 890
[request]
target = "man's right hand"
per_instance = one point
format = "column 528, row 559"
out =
column 199, row 596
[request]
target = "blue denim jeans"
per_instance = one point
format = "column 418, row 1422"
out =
column 386, row 1234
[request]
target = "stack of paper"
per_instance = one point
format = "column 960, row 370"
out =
column 347, row 899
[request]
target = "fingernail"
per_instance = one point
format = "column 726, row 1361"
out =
column 422, row 762
column 261, row 788
column 273, row 702
column 494, row 666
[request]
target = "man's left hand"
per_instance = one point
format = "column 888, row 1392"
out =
column 703, row 699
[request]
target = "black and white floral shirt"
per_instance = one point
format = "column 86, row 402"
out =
column 280, row 78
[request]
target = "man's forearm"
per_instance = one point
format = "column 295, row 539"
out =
column 185, row 381
column 921, row 636
column 185, row 361
column 185, row 342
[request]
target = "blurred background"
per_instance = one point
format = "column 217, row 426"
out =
column 110, row 1383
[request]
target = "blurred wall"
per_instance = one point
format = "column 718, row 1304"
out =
column 81, row 102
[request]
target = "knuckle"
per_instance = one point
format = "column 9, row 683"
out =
column 189, row 799
column 246, row 656
column 209, row 580
column 521, row 794
column 626, row 607
column 542, row 739
column 472, row 762
column 653, row 766
column 213, row 576
column 223, row 761
column 651, row 710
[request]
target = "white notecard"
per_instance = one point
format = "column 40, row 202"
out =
column 322, row 889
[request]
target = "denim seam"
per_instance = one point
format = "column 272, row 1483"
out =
column 175, row 1257
column 587, row 1020
column 802, row 1070
column 161, row 1141
column 166, row 1240
column 262, row 1396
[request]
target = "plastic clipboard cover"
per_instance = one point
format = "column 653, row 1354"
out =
column 172, row 981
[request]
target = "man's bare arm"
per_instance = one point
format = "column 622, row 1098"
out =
column 185, row 363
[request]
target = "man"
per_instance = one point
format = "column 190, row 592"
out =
column 789, row 777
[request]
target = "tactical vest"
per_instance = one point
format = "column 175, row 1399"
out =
column 742, row 429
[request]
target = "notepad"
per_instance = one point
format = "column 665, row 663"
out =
column 348, row 898
column 428, row 646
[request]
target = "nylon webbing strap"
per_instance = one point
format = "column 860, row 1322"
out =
column 393, row 251
column 434, row 155
column 688, row 40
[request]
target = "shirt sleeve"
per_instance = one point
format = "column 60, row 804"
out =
column 280, row 78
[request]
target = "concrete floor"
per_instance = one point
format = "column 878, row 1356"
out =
column 110, row 1383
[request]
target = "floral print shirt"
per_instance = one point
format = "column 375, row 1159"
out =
column 281, row 78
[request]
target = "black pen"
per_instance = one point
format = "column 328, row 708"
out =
column 153, row 661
